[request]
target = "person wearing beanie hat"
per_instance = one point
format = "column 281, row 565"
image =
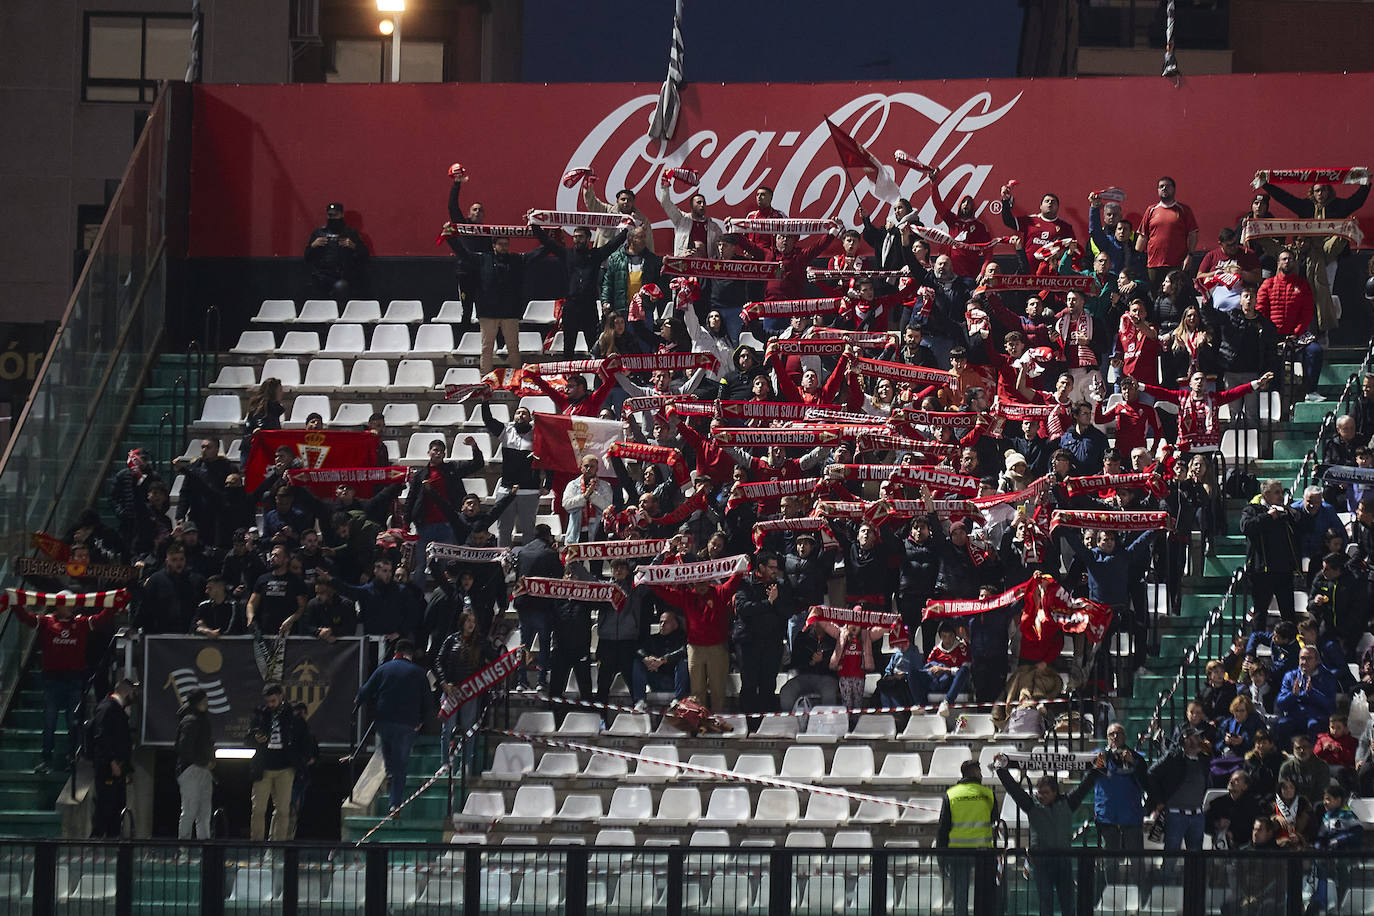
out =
column 336, row 256
column 1016, row 477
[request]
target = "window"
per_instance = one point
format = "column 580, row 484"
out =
column 127, row 53
column 363, row 60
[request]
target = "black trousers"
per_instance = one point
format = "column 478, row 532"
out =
column 615, row 656
column 110, row 798
column 579, row 316
column 758, row 675
column 1267, row 585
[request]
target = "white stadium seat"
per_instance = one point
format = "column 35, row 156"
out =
column 755, row 765
column 318, row 311
column 404, row 311
column 826, row 810
column 777, row 808
column 351, row 415
column 630, row 806
column 557, row 765
column 482, row 807
column 898, row 769
column 300, row 343
column 327, row 374
column 401, row 414
column 578, row 807
column 362, row 311
column 535, row 722
column 445, row 416
column 656, row 772
column 221, row 410
column 539, row 311
column 370, row 375
column 303, row 406
column 461, row 375
column 433, row 340
column 450, row 312
column 414, row 375
column 580, row 724
column 533, row 805
column 945, row 763
column 275, row 311
column 253, row 342
column 513, row 760
column 852, row 763
column 803, row 763
column 679, row 806
column 729, row 807
column 288, row 370
column 604, row 766
column 234, row 377
column 344, row 340
column 390, row 340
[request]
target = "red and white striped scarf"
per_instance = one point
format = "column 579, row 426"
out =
column 1069, row 325
column 684, row 573
column 19, row 597
column 570, row 590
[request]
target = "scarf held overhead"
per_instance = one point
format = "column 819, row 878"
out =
column 786, row 308
column 723, row 269
column 1347, row 175
column 614, row 550
column 781, row 226
column 1348, row 229
column 1111, row 520
column 687, row 573
column 570, row 590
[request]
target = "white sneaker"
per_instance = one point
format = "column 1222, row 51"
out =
column 944, row 709
column 1314, row 398
column 641, row 706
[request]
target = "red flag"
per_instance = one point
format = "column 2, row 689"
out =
column 561, row 441
column 854, row 156
column 316, row 450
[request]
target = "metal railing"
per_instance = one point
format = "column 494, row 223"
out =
column 68, row 430
column 1223, row 618
column 209, row 879
column 1328, row 424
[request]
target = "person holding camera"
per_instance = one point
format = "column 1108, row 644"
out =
column 336, row 256
column 1272, row 529
column 282, row 744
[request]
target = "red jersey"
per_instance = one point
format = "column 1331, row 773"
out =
column 708, row 616
column 1166, row 230
column 967, row 262
column 851, row 659
column 956, row 657
column 1039, row 233
column 1133, row 421
column 64, row 641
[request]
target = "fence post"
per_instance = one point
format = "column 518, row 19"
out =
column 987, row 893
column 472, row 880
column 674, row 891
column 374, row 881
column 45, row 878
column 1087, row 884
column 1194, row 884
column 780, row 884
column 124, row 879
column 290, row 878
column 878, row 887
column 1294, row 867
column 575, row 881
column 211, row 880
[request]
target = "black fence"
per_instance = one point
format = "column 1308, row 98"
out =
column 50, row 877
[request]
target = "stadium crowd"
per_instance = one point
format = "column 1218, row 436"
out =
column 960, row 465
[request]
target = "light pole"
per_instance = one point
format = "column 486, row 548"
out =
column 396, row 8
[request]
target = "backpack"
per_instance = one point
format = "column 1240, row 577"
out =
column 1241, row 484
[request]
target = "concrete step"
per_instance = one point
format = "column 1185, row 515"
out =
column 21, row 823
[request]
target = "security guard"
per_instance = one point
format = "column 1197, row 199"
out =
column 965, row 823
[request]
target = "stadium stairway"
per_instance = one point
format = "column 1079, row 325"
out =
column 27, row 799
column 1292, row 440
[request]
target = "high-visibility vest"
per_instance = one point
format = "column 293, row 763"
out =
column 970, row 813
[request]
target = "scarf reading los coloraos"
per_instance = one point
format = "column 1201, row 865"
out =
column 570, row 590
column 686, row 573
column 614, row 550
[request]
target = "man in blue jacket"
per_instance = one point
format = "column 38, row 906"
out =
column 400, row 690
column 1306, row 700
column 1118, row 806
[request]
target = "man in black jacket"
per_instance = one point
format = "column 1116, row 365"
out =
column 1272, row 529
column 537, row 558
column 763, row 606
column 195, row 756
column 337, row 257
column 500, row 294
column 1247, row 345
column 811, row 651
column 738, row 383
column 661, row 660
column 282, row 744
column 806, row 570
column 583, row 263
column 111, row 748
column 467, row 277
column 171, row 596
column 436, row 492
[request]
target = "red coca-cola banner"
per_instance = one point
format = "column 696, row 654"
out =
column 260, row 182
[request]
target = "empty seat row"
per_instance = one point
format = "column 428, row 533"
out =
column 323, row 311
column 369, row 311
column 514, row 760
column 681, row 806
column 823, row 723
column 387, row 340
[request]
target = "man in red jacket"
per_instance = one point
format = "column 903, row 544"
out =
column 708, row 609
column 63, row 636
column 1286, row 299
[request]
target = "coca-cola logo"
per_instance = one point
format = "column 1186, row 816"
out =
column 811, row 184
